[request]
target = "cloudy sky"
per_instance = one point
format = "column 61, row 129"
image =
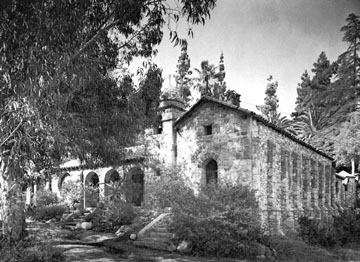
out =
column 259, row 38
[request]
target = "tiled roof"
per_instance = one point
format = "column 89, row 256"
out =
column 207, row 99
column 95, row 166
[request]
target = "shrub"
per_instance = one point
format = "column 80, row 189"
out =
column 344, row 230
column 72, row 192
column 347, row 225
column 219, row 220
column 315, row 233
column 120, row 213
column 163, row 191
column 46, row 198
column 47, row 212
column 28, row 251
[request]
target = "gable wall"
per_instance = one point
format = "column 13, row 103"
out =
column 229, row 145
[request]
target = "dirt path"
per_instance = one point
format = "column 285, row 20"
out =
column 88, row 246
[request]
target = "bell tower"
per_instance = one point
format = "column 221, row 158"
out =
column 172, row 107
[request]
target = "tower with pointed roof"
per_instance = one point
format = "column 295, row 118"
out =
column 172, row 106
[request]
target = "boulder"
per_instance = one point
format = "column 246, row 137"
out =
column 84, row 225
column 123, row 230
column 184, row 247
column 133, row 237
column 67, row 217
column 51, row 221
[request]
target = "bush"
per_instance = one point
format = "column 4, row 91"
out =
column 315, row 233
column 219, row 220
column 72, row 192
column 343, row 231
column 46, row 198
column 114, row 214
column 28, row 251
column 163, row 191
column 347, row 226
column 47, row 212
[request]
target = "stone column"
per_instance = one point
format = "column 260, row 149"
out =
column 332, row 188
column 323, row 209
column 287, row 218
column 273, row 188
column 327, row 194
column 306, row 185
column 296, row 187
column 314, row 189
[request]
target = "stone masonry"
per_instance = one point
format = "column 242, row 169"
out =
column 216, row 141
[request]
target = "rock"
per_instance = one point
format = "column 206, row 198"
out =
column 66, row 217
column 184, row 247
column 50, row 221
column 123, row 230
column 84, row 225
column 261, row 257
column 133, row 236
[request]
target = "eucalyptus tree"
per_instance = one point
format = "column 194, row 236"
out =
column 58, row 93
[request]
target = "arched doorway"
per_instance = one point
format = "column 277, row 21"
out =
column 211, row 172
column 62, row 180
column 111, row 177
column 91, row 189
column 135, row 192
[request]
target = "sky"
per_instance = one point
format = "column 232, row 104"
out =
column 259, row 38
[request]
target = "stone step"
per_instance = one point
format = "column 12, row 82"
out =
column 160, row 229
column 155, row 239
column 159, row 234
column 155, row 245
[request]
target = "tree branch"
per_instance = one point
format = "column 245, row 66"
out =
column 11, row 134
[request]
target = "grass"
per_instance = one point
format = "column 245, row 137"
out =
column 295, row 250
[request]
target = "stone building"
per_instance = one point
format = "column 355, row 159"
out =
column 216, row 141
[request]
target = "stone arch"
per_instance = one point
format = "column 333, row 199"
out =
column 211, row 172
column 92, row 191
column 62, row 180
column 135, row 179
column 204, row 159
column 110, row 177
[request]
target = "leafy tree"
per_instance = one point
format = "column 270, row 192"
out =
column 58, row 95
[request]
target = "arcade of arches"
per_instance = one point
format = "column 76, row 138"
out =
column 102, row 183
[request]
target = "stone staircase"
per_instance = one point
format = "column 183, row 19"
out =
column 155, row 235
column 72, row 222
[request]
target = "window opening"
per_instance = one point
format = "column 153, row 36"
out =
column 208, row 130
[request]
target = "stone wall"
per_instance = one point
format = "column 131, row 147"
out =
column 290, row 179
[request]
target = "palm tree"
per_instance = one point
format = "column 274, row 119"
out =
column 280, row 121
column 207, row 76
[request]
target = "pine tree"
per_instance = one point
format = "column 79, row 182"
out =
column 302, row 90
column 271, row 104
column 182, row 77
column 351, row 55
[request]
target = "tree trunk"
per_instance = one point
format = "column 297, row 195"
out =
column 12, row 205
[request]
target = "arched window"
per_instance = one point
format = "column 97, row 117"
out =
column 211, row 172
